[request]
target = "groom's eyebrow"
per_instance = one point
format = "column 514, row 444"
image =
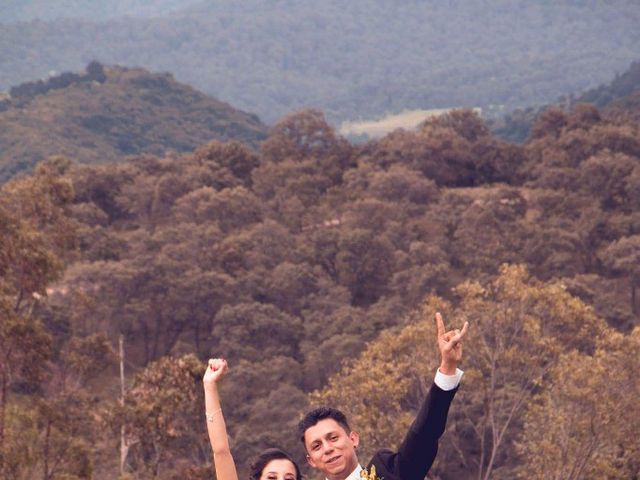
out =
column 318, row 441
column 331, row 433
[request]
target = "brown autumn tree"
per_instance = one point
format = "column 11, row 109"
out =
column 439, row 152
column 623, row 257
column 549, row 123
column 221, row 158
column 65, row 415
column 255, row 330
column 518, row 329
column 364, row 264
column 581, row 427
column 306, row 135
column 491, row 230
column 161, row 415
column 35, row 237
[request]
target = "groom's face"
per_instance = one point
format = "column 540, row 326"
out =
column 331, row 449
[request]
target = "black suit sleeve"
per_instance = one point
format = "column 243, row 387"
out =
column 418, row 450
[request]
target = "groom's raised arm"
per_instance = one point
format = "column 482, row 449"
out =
column 420, row 445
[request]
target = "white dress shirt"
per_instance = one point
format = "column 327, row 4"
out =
column 355, row 475
column 448, row 382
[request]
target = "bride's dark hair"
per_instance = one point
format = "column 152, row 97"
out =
column 265, row 457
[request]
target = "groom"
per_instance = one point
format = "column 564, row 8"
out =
column 331, row 445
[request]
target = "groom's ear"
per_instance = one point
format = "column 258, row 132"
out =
column 355, row 439
column 310, row 460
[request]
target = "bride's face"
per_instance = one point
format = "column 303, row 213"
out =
column 279, row 469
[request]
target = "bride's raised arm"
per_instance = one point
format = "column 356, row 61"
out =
column 222, row 458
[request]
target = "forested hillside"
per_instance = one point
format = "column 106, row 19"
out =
column 356, row 59
column 105, row 113
column 617, row 99
column 310, row 251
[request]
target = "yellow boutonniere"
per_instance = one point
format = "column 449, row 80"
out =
column 369, row 475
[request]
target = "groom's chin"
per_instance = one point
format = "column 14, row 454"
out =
column 338, row 468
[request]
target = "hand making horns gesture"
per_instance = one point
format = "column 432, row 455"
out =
column 450, row 346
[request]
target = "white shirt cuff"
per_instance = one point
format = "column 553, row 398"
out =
column 448, row 382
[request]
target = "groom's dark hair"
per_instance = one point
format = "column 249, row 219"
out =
column 314, row 416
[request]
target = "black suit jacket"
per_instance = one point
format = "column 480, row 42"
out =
column 418, row 450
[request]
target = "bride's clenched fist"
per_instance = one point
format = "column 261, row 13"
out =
column 216, row 369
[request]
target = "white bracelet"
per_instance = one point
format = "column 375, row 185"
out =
column 211, row 415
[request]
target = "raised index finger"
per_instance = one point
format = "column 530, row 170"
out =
column 465, row 327
column 439, row 324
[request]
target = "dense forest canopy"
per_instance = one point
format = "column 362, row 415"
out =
column 310, row 251
column 105, row 113
column 357, row 59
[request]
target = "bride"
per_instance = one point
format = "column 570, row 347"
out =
column 271, row 464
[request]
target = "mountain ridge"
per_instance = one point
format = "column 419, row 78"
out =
column 130, row 112
column 361, row 59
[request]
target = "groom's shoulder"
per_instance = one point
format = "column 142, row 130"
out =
column 385, row 463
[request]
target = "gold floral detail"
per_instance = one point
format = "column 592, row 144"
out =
column 369, row 475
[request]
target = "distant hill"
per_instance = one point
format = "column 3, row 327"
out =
column 26, row 10
column 619, row 97
column 108, row 113
column 628, row 107
column 355, row 59
column 622, row 86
